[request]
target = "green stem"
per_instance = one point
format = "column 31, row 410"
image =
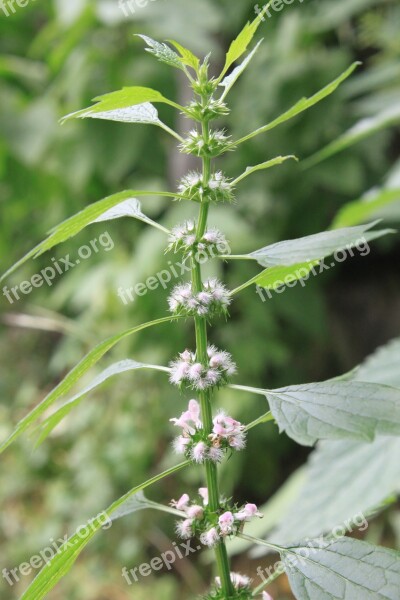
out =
column 206, row 396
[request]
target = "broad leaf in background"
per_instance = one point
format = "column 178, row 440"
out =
column 302, row 104
column 67, row 554
column 120, row 367
column 348, row 472
column 88, row 215
column 345, row 569
column 75, row 375
column 381, row 367
column 314, row 247
column 358, row 132
column 365, row 208
column 229, row 81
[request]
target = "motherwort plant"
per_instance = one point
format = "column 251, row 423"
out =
column 345, row 408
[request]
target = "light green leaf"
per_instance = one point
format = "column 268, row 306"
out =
column 343, row 569
column 334, row 409
column 187, row 57
column 129, row 208
column 303, row 104
column 315, row 247
column 75, row 375
column 381, row 367
column 365, row 208
column 163, row 52
column 120, row 367
column 339, row 488
column 126, row 98
column 229, row 81
column 239, row 45
column 78, row 222
column 265, row 165
column 67, row 554
column 276, row 277
column 140, row 502
column 358, row 132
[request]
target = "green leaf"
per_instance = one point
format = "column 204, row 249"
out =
column 129, row 208
column 120, row 367
column 229, row 81
column 240, row 44
column 278, row 160
column 339, row 488
column 88, row 215
column 303, row 104
column 381, row 367
column 67, row 554
column 187, row 57
column 122, row 99
column 139, row 502
column 358, row 132
column 163, row 52
column 75, row 375
column 315, row 247
column 276, row 277
column 343, row 569
column 365, row 208
column 334, row 409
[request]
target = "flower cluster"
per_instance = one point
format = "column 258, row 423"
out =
column 214, row 109
column 227, row 434
column 216, row 144
column 183, row 238
column 239, row 581
column 188, row 371
column 210, row 526
column 212, row 301
column 218, row 188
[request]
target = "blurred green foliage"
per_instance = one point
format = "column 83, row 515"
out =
column 54, row 57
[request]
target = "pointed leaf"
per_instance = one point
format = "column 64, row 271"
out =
column 75, row 375
column 78, row 222
column 358, row 132
column 381, row 367
column 361, row 210
column 303, row 104
column 129, row 208
column 163, row 52
column 229, row 81
column 265, row 165
column 276, row 277
column 120, row 367
column 67, row 554
column 186, row 56
column 335, row 410
column 345, row 569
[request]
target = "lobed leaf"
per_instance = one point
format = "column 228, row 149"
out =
column 163, row 52
column 67, row 554
column 303, row 104
column 75, row 375
column 186, row 56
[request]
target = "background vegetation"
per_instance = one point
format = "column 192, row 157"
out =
column 54, row 57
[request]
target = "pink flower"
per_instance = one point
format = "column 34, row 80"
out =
column 195, row 371
column 199, row 452
column 248, row 512
column 182, row 503
column 266, row 596
column 180, row 444
column 210, row 538
column 203, row 493
column 239, row 581
column 190, row 419
column 226, row 522
column 195, row 511
column 184, row 528
column 215, row 454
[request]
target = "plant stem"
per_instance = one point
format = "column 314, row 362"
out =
column 206, row 396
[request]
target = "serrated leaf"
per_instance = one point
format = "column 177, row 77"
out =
column 303, row 104
column 120, row 367
column 74, row 376
column 229, row 81
column 275, row 277
column 360, row 131
column 314, row 247
column 126, row 98
column 67, row 554
column 240, row 44
column 365, row 208
column 78, row 222
column 278, row 160
column 345, row 569
column 335, row 410
column 344, row 482
column 186, row 56
column 381, row 367
column 162, row 51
